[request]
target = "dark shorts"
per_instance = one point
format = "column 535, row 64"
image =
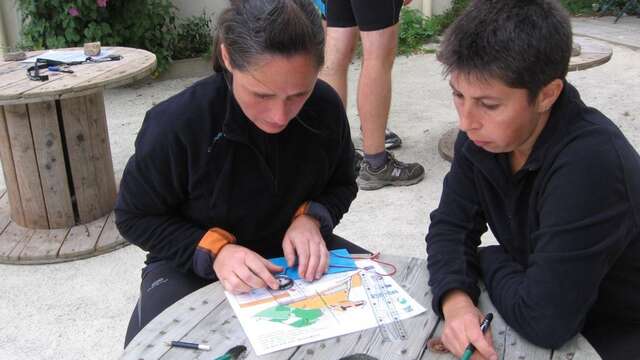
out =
column 162, row 285
column 367, row 15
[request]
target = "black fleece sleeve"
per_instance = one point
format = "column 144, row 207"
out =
column 454, row 233
column 585, row 219
column 153, row 187
column 341, row 188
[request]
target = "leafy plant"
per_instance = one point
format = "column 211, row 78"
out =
column 416, row 29
column 194, row 37
column 146, row 24
column 579, row 7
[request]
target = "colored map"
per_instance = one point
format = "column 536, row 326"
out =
column 335, row 305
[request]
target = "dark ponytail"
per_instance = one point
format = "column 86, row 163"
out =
column 250, row 29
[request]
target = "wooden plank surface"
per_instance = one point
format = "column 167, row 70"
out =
column 82, row 239
column 77, row 128
column 499, row 331
column 101, row 152
column 135, row 64
column 5, row 219
column 577, row 348
column 173, row 324
column 206, row 317
column 51, row 163
column 12, row 72
column 9, row 171
column 44, row 244
column 26, row 167
column 13, row 239
column 592, row 54
column 6, row 244
column 110, row 236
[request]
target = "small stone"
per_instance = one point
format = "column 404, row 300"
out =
column 92, row 49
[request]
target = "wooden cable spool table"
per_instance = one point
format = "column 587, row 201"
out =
column 206, row 317
column 590, row 53
column 56, row 158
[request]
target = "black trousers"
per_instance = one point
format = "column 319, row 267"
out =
column 162, row 285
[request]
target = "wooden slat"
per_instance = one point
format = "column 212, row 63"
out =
column 110, row 237
column 26, row 167
column 221, row 330
column 82, row 239
column 517, row 347
column 174, row 323
column 44, row 244
column 51, row 164
column 9, row 171
column 499, row 329
column 81, row 158
column 12, row 73
column 101, row 152
column 577, row 348
column 5, row 217
column 13, row 239
column 7, row 242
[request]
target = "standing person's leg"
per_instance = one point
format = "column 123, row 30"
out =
column 378, row 23
column 341, row 37
column 374, row 86
column 162, row 285
column 339, row 48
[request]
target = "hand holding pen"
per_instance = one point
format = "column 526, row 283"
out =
column 461, row 327
column 484, row 326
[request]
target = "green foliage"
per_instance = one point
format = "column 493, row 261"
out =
column 416, row 29
column 579, row 7
column 591, row 7
column 194, row 37
column 146, row 24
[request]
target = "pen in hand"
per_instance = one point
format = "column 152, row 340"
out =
column 484, row 326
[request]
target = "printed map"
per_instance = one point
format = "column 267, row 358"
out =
column 337, row 304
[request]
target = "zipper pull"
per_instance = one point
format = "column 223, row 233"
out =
column 215, row 139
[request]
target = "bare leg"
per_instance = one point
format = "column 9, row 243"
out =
column 340, row 44
column 374, row 87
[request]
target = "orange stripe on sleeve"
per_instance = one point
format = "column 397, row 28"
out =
column 215, row 239
column 303, row 209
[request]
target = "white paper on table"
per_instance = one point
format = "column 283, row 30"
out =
column 335, row 305
column 68, row 56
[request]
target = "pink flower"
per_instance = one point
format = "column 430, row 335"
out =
column 73, row 11
column 102, row 3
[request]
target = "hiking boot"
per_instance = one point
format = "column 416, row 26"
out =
column 391, row 140
column 394, row 173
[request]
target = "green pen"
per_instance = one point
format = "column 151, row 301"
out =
column 484, row 326
column 235, row 353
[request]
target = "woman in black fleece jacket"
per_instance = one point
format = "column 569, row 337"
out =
column 253, row 162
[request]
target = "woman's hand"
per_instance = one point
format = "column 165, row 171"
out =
column 462, row 327
column 303, row 239
column 240, row 270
